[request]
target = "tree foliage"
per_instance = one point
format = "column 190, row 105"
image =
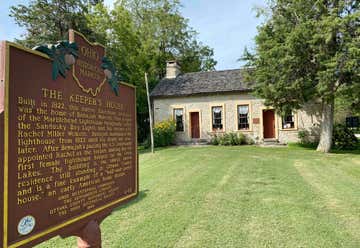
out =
column 139, row 35
column 345, row 108
column 308, row 51
column 58, row 55
column 48, row 21
column 142, row 35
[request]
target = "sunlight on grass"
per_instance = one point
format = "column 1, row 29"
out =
column 239, row 197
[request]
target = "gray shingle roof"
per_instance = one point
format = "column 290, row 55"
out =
column 202, row 83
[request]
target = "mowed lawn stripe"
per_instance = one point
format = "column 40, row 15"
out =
column 339, row 194
column 177, row 192
column 245, row 215
column 199, row 230
column 238, row 197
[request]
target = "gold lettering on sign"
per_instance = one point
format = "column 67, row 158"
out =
column 89, row 53
column 72, row 150
column 85, row 100
column 87, row 69
column 52, row 94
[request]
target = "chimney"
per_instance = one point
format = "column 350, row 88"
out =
column 172, row 69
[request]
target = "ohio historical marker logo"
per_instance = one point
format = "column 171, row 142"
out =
column 87, row 69
column 26, row 225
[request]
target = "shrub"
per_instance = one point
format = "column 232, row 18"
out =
column 303, row 136
column 344, row 138
column 225, row 140
column 164, row 133
column 214, row 140
column 308, row 139
column 249, row 141
column 230, row 139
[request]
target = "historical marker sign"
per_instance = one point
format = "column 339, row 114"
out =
column 68, row 151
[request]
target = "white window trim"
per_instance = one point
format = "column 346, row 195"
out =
column 295, row 128
column 237, row 117
column 223, row 117
column 173, row 107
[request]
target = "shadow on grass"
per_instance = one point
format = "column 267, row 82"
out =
column 140, row 197
column 142, row 150
column 337, row 151
column 334, row 150
column 309, row 146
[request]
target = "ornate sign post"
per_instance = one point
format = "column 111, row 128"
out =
column 68, row 152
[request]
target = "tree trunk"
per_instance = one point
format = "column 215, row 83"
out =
column 327, row 126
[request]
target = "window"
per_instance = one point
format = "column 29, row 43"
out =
column 179, row 120
column 243, row 117
column 217, row 118
column 288, row 120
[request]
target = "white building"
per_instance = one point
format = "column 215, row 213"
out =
column 204, row 103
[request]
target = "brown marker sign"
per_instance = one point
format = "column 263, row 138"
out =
column 256, row 120
column 68, row 147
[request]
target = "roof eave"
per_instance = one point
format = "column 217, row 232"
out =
column 202, row 93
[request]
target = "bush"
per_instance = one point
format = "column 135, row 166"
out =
column 344, row 138
column 164, row 133
column 230, row 139
column 303, row 136
column 214, row 140
column 307, row 140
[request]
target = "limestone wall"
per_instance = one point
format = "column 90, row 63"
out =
column 163, row 109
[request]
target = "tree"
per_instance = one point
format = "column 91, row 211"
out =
column 346, row 108
column 142, row 35
column 165, row 34
column 139, row 35
column 308, row 51
column 48, row 21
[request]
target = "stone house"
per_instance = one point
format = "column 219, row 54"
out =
column 205, row 103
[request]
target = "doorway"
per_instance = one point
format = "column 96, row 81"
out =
column 269, row 123
column 195, row 125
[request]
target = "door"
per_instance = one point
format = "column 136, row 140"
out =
column 269, row 123
column 195, row 127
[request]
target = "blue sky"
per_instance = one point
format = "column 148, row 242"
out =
column 225, row 25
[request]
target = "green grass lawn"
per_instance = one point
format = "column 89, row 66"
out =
column 239, row 197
